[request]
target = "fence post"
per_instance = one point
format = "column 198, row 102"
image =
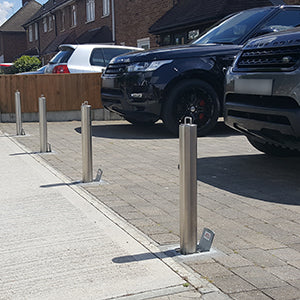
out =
column 188, row 186
column 19, row 129
column 43, row 124
column 86, row 138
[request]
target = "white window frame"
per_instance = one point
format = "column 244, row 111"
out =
column 30, row 33
column 50, row 23
column 63, row 20
column 45, row 24
column 105, row 8
column 90, row 10
column 144, row 43
column 73, row 15
column 36, row 31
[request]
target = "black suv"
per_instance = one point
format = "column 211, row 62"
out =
column 174, row 82
column 263, row 93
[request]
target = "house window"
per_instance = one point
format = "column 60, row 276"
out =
column 63, row 20
column 45, row 24
column 165, row 40
column 36, row 31
column 180, row 38
column 30, row 33
column 50, row 22
column 144, row 43
column 90, row 10
column 105, row 8
column 73, row 16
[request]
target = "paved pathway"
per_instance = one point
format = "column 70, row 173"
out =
column 250, row 200
column 56, row 243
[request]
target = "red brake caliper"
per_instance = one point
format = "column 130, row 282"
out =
column 201, row 115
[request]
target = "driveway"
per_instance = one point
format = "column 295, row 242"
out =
column 251, row 201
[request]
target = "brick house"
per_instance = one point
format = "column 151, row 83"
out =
column 13, row 35
column 129, row 22
column 93, row 21
column 134, row 18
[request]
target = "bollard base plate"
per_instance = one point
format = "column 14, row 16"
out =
column 174, row 251
column 92, row 183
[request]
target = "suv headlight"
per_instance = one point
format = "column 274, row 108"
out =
column 147, row 66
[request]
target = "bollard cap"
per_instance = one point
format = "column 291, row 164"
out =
column 188, row 121
column 85, row 105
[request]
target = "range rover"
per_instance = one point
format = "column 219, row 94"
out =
column 187, row 81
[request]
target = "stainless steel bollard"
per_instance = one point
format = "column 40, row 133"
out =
column 43, row 124
column 86, row 138
column 188, row 186
column 19, row 128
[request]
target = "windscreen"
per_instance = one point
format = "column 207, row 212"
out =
column 235, row 28
column 102, row 56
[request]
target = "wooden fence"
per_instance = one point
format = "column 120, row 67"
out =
column 63, row 92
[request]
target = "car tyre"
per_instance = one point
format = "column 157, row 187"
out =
column 271, row 149
column 192, row 98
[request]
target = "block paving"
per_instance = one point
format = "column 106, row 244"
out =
column 250, row 200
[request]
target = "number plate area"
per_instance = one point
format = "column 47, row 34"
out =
column 253, row 86
column 108, row 83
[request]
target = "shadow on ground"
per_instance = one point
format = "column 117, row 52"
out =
column 156, row 131
column 144, row 256
column 257, row 176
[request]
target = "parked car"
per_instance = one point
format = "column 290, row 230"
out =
column 41, row 70
column 263, row 93
column 85, row 58
column 176, row 82
column 4, row 66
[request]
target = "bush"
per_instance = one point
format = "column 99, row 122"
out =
column 24, row 64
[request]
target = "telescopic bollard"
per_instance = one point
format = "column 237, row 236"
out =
column 188, row 186
column 43, row 124
column 86, row 138
column 19, row 128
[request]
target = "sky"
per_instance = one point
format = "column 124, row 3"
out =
column 9, row 7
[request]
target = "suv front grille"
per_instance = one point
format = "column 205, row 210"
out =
column 277, row 119
column 116, row 69
column 270, row 59
column 277, row 102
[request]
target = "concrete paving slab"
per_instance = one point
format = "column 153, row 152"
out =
column 56, row 245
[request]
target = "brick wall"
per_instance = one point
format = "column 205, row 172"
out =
column 134, row 17
column 132, row 21
column 47, row 37
column 82, row 25
column 14, row 44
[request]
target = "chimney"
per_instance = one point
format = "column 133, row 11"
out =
column 24, row 2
